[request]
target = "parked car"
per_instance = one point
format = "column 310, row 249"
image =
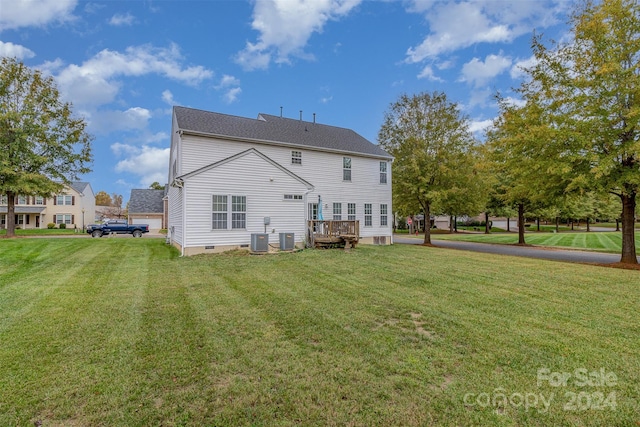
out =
column 118, row 226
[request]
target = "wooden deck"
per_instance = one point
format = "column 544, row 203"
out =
column 330, row 234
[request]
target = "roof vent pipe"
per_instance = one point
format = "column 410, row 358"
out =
column 314, row 118
column 281, row 111
column 300, row 115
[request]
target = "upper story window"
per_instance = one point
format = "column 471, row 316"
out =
column 22, row 200
column 346, row 168
column 3, row 199
column 296, row 157
column 39, row 200
column 64, row 199
column 383, row 172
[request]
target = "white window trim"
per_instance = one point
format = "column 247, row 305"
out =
column 229, row 212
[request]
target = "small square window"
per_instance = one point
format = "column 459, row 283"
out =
column 296, row 157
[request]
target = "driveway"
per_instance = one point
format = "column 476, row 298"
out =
column 523, row 251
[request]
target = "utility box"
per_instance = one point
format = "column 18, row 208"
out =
column 287, row 241
column 259, row 242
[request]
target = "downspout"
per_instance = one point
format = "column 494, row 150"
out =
column 184, row 216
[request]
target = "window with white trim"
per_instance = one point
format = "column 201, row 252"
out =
column 64, row 199
column 238, row 212
column 62, row 218
column 228, row 212
column 3, row 199
column 383, row 172
column 22, row 200
column 351, row 211
column 293, row 196
column 368, row 215
column 39, row 200
column 337, row 211
column 219, row 216
column 346, row 168
column 383, row 215
column 3, row 219
column 296, row 157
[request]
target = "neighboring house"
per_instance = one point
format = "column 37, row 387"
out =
column 75, row 207
column 232, row 176
column 147, row 206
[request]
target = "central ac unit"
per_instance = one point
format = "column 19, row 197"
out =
column 287, row 241
column 259, row 242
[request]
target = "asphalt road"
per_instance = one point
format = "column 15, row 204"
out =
column 523, row 251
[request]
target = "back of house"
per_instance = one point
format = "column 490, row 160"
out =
column 231, row 177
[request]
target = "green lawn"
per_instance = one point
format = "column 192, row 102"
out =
column 124, row 332
column 44, row 232
column 608, row 241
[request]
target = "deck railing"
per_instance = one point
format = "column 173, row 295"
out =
column 332, row 230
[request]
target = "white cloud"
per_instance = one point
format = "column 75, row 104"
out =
column 455, row 26
column 427, row 73
column 120, row 20
column 95, row 82
column 231, row 95
column 517, row 71
column 26, row 13
column 149, row 163
column 326, row 99
column 167, row 97
column 480, row 126
column 135, row 118
column 478, row 72
column 285, row 27
column 15, row 51
column 231, row 87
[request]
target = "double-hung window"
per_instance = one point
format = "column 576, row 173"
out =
column 39, row 200
column 351, row 211
column 64, row 199
column 22, row 200
column 337, row 211
column 228, row 212
column 368, row 215
column 63, row 219
column 296, row 157
column 346, row 168
column 383, row 172
column 383, row 215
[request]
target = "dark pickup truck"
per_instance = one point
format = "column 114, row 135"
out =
column 118, row 226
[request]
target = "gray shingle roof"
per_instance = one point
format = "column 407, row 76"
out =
column 79, row 186
column 274, row 129
column 146, row 201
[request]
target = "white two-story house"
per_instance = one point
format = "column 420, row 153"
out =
column 232, row 176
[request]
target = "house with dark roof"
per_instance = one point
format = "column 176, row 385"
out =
column 74, row 206
column 147, row 206
column 231, row 177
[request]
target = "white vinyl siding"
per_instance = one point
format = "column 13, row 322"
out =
column 250, row 176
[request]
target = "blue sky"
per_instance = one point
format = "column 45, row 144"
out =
column 124, row 64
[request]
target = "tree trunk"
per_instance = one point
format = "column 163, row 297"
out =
column 427, row 223
column 450, row 223
column 588, row 228
column 557, row 224
column 508, row 225
column 521, row 224
column 617, row 224
column 628, row 229
column 486, row 223
column 455, row 224
column 538, row 223
column 11, row 214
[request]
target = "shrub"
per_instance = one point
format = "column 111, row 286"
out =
column 51, row 225
column 63, row 226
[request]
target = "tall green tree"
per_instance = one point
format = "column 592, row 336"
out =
column 588, row 92
column 155, row 185
column 430, row 140
column 42, row 145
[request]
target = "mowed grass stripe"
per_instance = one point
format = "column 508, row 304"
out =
column 379, row 336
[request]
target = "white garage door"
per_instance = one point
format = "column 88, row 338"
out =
column 154, row 223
